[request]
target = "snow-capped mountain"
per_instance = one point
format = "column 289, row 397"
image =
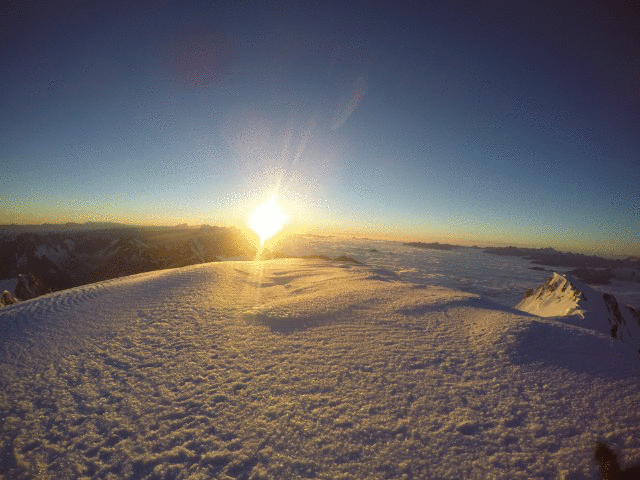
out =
column 581, row 305
column 55, row 252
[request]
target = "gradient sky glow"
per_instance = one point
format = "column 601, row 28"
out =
column 478, row 122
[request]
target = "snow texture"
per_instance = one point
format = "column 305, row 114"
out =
column 304, row 369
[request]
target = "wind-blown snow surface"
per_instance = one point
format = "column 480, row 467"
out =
column 302, row 369
column 503, row 279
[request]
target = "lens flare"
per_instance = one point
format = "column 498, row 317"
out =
column 267, row 220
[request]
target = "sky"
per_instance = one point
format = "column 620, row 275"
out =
column 470, row 122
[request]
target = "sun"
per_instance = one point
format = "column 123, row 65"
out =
column 267, row 220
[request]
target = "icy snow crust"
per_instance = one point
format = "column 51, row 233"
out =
column 303, row 369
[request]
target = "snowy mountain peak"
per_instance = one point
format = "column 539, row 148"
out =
column 558, row 297
column 581, row 305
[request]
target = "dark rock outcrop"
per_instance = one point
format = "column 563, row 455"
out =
column 7, row 299
column 609, row 465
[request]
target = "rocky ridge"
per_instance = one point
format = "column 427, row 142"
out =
column 577, row 303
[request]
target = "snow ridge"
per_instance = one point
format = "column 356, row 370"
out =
column 581, row 305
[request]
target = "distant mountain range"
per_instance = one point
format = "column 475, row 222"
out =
column 592, row 269
column 12, row 228
column 38, row 259
column 433, row 245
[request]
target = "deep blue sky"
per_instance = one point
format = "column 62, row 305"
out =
column 476, row 121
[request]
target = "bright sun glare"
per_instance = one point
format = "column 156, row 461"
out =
column 267, row 220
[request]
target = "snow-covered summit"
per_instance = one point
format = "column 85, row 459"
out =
column 581, row 305
column 303, row 368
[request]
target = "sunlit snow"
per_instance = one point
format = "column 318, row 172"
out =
column 310, row 369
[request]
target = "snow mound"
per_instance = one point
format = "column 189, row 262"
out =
column 580, row 305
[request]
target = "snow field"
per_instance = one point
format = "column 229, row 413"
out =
column 302, row 369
